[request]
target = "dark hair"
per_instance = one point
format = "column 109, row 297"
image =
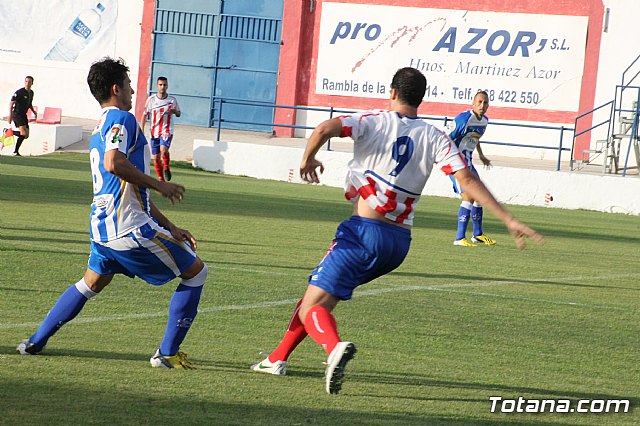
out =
column 481, row 92
column 162, row 79
column 410, row 84
column 30, row 78
column 103, row 75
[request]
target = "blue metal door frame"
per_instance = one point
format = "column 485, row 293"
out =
column 211, row 51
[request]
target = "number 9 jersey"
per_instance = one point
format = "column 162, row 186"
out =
column 393, row 157
column 118, row 207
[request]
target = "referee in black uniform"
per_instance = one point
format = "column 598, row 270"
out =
column 21, row 102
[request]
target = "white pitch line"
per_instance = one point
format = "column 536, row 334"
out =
column 534, row 300
column 372, row 292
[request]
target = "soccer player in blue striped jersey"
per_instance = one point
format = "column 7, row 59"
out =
column 129, row 235
column 470, row 126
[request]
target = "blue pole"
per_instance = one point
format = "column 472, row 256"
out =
column 219, row 119
column 560, row 148
column 329, row 141
column 634, row 134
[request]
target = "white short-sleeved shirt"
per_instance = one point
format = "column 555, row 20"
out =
column 468, row 132
column 393, row 158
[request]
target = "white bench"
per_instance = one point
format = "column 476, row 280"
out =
column 45, row 138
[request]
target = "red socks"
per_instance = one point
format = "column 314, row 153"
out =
column 158, row 166
column 319, row 324
column 322, row 327
column 166, row 158
column 294, row 335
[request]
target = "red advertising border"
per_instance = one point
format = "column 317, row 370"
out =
column 146, row 47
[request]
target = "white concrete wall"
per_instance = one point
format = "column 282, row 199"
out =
column 45, row 138
column 608, row 193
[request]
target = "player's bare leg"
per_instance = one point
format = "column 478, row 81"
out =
column 24, row 134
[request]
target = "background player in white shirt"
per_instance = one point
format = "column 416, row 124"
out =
column 160, row 109
column 470, row 126
column 394, row 153
column 129, row 235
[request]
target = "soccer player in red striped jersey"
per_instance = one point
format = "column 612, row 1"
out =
column 160, row 109
column 394, row 154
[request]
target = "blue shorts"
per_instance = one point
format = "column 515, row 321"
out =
column 156, row 142
column 150, row 252
column 363, row 250
column 456, row 187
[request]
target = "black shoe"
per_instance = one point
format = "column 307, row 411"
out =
column 167, row 175
column 17, row 154
column 27, row 348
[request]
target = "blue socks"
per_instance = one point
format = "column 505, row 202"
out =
column 463, row 219
column 182, row 311
column 65, row 309
column 476, row 217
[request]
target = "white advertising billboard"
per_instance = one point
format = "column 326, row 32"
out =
column 531, row 61
column 70, row 34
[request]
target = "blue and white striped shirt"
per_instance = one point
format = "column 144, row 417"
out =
column 118, row 207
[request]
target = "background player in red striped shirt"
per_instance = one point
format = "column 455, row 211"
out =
column 160, row 109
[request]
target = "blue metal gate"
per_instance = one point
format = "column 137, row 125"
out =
column 214, row 51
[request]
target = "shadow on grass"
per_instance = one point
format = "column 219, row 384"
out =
column 28, row 290
column 46, row 240
column 51, row 251
column 379, row 378
column 94, row 400
column 423, row 380
column 477, row 278
column 48, row 230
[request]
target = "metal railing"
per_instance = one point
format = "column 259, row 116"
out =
column 609, row 152
column 218, row 121
column 610, row 148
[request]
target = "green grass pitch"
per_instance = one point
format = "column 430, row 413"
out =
column 450, row 328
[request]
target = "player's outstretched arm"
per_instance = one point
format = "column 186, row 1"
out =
column 327, row 129
column 117, row 163
column 474, row 187
column 485, row 160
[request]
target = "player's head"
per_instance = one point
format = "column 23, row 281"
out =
column 28, row 82
column 480, row 103
column 410, row 85
column 109, row 83
column 163, row 85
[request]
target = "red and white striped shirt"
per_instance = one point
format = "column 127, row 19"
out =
column 392, row 160
column 158, row 111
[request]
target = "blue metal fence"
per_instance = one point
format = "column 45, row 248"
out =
column 218, row 122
